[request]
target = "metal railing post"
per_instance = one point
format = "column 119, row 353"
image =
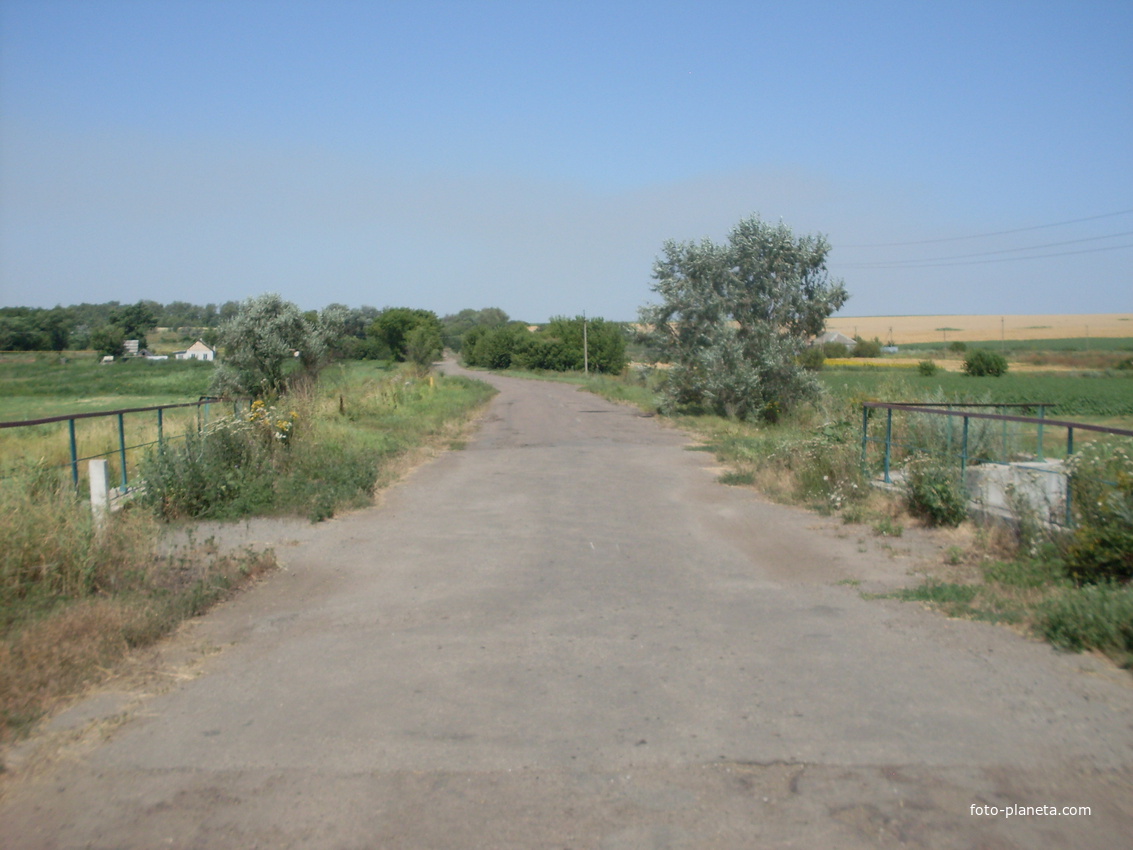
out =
column 74, row 453
column 122, row 448
column 160, row 428
column 1069, row 452
column 865, row 439
column 1042, row 415
column 964, row 449
column 888, row 441
column 1006, row 454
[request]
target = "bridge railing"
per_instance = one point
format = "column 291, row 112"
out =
column 126, row 439
column 971, row 435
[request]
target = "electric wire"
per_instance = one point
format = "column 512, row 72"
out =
column 929, row 264
column 992, row 233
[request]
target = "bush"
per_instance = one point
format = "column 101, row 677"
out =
column 958, row 347
column 834, row 350
column 812, row 359
column 1101, row 487
column 867, row 348
column 983, row 363
column 934, row 492
column 927, row 368
column 1095, row 617
column 222, row 472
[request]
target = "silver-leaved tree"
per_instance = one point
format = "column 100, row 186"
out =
column 734, row 317
column 270, row 343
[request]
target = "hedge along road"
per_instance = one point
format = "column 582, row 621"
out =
column 568, row 635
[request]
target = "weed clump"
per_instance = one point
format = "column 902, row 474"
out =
column 1096, row 617
column 1101, row 482
column 934, row 492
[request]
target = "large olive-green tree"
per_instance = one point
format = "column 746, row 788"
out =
column 734, row 317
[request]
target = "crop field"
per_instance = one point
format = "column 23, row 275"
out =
column 1078, row 396
column 902, row 330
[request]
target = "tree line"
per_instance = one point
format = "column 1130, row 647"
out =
column 84, row 326
column 733, row 322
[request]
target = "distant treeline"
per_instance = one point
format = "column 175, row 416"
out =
column 82, row 326
column 103, row 326
column 487, row 337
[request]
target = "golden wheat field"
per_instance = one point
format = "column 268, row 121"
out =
column 907, row 329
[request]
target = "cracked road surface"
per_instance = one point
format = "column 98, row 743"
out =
column 568, row 635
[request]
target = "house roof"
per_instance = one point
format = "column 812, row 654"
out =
column 834, row 336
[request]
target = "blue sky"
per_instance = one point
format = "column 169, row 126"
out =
column 534, row 156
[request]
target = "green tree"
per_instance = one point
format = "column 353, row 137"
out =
column 56, row 325
column 392, row 327
column 605, row 344
column 458, row 324
column 269, row 342
column 423, row 346
column 734, row 317
column 107, row 341
column 134, row 320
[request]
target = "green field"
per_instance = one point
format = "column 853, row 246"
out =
column 33, row 389
column 1070, row 344
column 1086, row 395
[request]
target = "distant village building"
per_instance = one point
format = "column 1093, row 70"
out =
column 197, row 351
column 837, row 337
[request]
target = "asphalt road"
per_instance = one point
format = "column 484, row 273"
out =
column 568, row 635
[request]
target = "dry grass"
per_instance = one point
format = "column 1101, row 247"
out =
column 75, row 598
column 908, row 329
column 49, row 445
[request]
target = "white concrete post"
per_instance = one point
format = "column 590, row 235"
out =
column 99, row 492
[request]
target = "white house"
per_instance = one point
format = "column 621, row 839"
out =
column 197, row 351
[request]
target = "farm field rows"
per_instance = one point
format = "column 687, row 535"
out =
column 967, row 328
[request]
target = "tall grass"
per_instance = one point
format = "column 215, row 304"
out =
column 75, row 597
column 341, row 437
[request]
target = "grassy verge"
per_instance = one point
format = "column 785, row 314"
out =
column 75, row 598
column 313, row 453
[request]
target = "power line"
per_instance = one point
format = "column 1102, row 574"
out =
column 1006, row 250
column 927, row 264
column 993, row 233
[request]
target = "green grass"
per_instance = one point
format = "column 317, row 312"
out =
column 1095, row 617
column 46, row 387
column 347, row 439
column 1073, row 395
column 1013, row 345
